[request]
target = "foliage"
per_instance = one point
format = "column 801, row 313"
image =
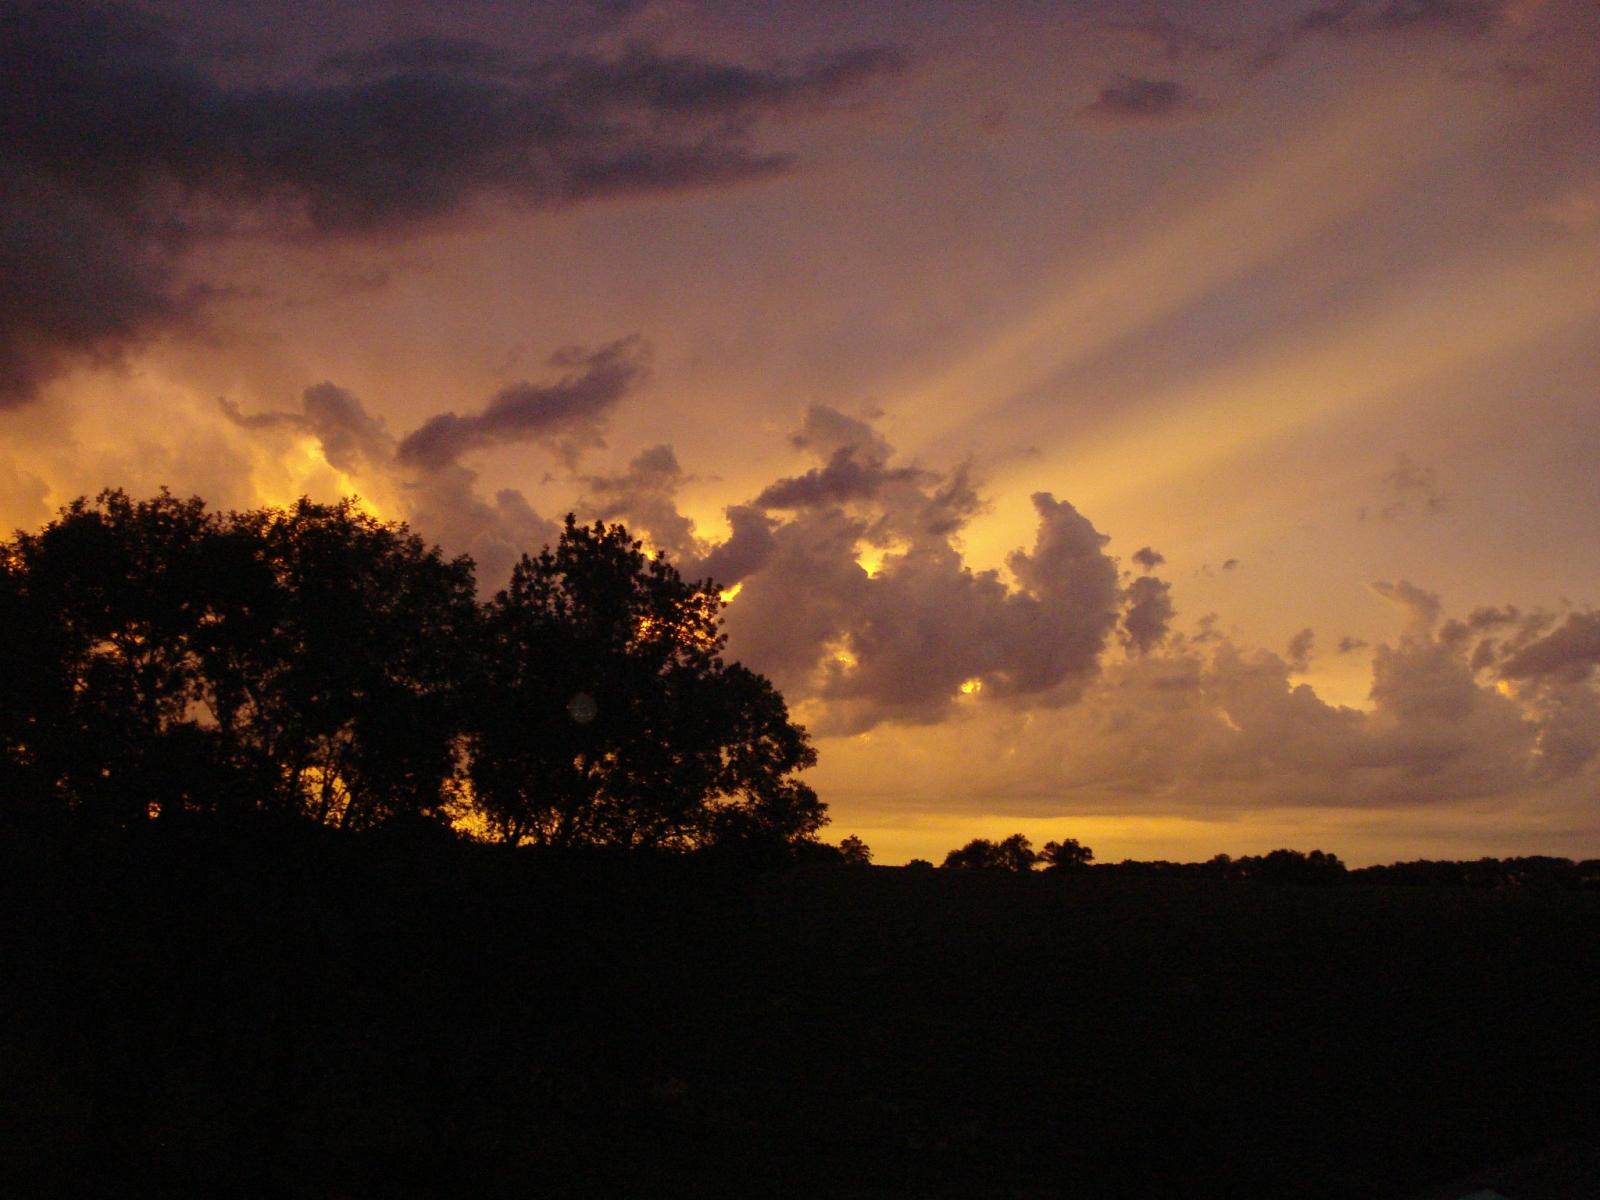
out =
column 319, row 662
column 1066, row 856
column 1015, row 853
column 855, row 852
column 605, row 713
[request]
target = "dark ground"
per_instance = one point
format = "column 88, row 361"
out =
column 195, row 1011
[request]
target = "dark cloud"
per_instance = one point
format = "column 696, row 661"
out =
column 1148, row 559
column 1298, row 654
column 844, row 479
column 119, row 147
column 350, row 437
column 1468, row 18
column 1348, row 645
column 644, row 497
column 566, row 417
column 749, row 547
column 1569, row 652
column 1231, row 564
column 78, row 283
column 1148, row 614
column 1131, row 98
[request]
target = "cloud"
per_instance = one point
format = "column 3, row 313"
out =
column 1131, row 98
column 566, row 417
column 645, row 498
column 441, row 501
column 80, row 283
column 1467, row 18
column 1173, row 40
column 1407, row 489
column 915, row 631
column 1568, row 653
column 1421, row 606
column 348, row 436
column 120, row 148
column 1298, row 655
column 1148, row 614
column 1147, row 558
column 1218, row 729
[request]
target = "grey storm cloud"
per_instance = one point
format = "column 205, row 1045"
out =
column 567, row 416
column 1131, row 98
column 119, row 148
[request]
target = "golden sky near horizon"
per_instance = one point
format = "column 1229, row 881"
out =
column 887, row 314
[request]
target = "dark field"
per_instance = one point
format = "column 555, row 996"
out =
column 195, row 1011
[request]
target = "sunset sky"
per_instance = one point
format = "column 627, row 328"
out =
column 1173, row 426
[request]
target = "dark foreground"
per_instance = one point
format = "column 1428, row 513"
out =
column 197, row 1012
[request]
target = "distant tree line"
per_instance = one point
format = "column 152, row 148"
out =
column 313, row 661
column 1016, row 854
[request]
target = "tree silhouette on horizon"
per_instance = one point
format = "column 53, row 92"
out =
column 605, row 712
column 317, row 662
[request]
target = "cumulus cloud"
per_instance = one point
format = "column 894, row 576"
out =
column 120, row 148
column 567, row 416
column 857, row 599
column 868, row 617
column 1130, row 98
column 1215, row 728
column 441, row 502
column 644, row 497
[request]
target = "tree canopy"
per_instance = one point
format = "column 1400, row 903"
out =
column 1015, row 853
column 317, row 661
column 605, row 712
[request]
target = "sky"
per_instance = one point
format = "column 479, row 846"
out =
column 1172, row 426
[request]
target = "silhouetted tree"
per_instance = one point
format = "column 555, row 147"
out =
column 605, row 714
column 1066, row 856
column 855, row 852
column 162, row 658
column 103, row 608
column 1289, row 866
column 351, row 690
column 1014, row 853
